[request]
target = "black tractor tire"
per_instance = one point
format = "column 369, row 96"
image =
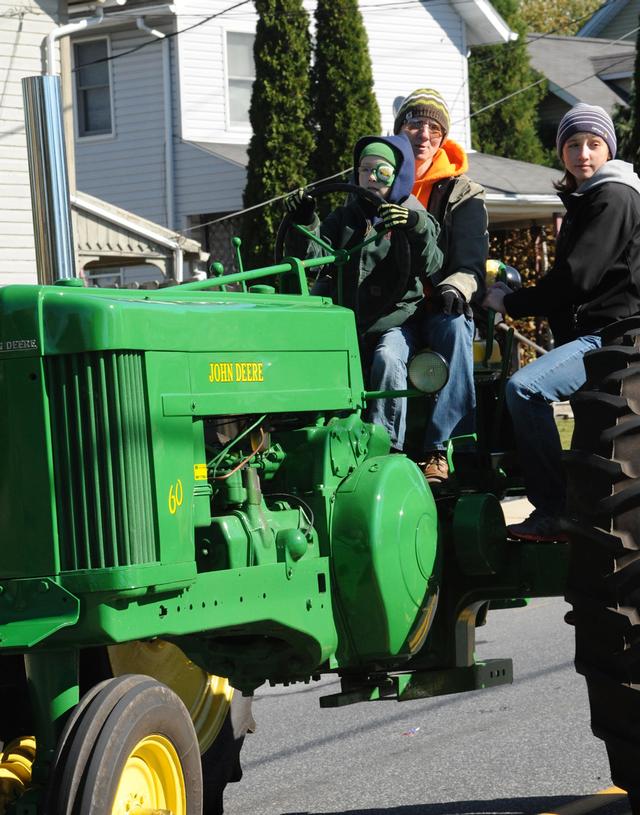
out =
column 78, row 737
column 17, row 717
column 221, row 762
column 133, row 740
column 603, row 585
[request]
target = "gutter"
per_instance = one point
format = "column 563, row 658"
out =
column 539, row 198
column 485, row 25
column 511, row 207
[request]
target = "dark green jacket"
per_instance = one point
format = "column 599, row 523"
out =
column 376, row 282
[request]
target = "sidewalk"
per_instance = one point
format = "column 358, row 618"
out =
column 562, row 410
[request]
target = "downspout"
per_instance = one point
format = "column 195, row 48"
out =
column 168, row 137
column 64, row 31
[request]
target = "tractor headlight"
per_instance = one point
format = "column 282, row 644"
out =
column 428, row 371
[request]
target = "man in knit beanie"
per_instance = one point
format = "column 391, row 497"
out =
column 457, row 203
column 424, row 103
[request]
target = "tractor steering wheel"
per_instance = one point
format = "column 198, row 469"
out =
column 404, row 257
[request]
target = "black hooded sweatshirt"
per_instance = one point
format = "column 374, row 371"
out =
column 595, row 279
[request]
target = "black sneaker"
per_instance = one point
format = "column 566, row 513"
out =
column 538, row 527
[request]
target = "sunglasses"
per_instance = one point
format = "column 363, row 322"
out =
column 383, row 173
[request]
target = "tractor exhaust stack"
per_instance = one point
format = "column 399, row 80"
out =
column 49, row 179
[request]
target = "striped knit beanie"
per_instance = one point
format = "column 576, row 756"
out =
column 583, row 118
column 423, row 102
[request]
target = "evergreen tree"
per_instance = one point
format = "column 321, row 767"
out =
column 282, row 143
column 623, row 117
column 507, row 129
column 344, row 107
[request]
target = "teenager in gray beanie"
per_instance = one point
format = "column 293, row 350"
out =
column 594, row 281
column 585, row 118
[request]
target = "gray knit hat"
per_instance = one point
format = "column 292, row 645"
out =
column 583, row 118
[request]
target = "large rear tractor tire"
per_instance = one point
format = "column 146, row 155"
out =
column 603, row 585
column 221, row 762
column 221, row 715
column 207, row 697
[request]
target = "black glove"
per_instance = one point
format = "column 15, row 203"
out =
column 393, row 215
column 450, row 301
column 300, row 206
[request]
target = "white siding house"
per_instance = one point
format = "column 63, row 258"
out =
column 176, row 150
column 104, row 235
column 125, row 165
column 23, row 25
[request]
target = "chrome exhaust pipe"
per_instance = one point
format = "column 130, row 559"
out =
column 49, row 179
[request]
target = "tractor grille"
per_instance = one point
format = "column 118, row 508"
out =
column 100, row 440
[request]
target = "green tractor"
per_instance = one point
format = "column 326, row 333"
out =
column 190, row 490
column 192, row 503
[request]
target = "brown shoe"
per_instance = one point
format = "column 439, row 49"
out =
column 436, row 468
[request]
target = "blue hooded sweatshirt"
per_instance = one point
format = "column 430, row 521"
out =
column 384, row 281
column 405, row 165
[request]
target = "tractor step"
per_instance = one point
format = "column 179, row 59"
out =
column 403, row 687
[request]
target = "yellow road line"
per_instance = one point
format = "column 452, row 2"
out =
column 582, row 805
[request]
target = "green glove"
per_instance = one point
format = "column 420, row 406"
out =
column 395, row 216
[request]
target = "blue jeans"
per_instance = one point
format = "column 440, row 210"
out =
column 454, row 407
column 553, row 377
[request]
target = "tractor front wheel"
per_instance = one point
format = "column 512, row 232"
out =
column 132, row 749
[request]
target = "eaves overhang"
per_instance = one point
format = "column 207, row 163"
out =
column 484, row 25
column 512, row 210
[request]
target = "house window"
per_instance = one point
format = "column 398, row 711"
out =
column 240, row 75
column 93, row 89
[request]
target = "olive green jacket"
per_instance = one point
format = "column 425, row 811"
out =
column 457, row 204
column 377, row 282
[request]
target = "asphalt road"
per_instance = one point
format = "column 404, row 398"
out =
column 524, row 748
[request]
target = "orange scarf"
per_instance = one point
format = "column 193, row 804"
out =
column 450, row 160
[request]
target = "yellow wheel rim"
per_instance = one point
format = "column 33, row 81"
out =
column 206, row 697
column 15, row 769
column 151, row 780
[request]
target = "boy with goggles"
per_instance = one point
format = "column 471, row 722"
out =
column 382, row 282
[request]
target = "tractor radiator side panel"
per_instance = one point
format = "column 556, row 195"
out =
column 102, row 467
column 27, row 512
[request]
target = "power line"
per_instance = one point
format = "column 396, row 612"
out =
column 394, row 4
column 386, row 6
column 148, row 43
column 170, row 34
column 21, row 12
column 546, row 34
column 471, row 115
column 561, row 87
